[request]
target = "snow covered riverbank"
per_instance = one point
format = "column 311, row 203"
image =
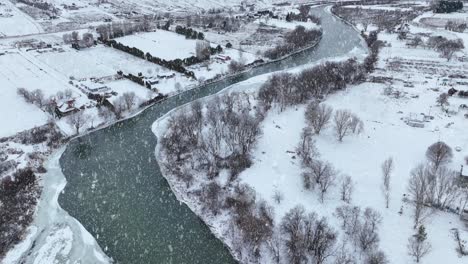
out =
column 55, row 235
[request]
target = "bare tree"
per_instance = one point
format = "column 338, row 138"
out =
column 418, row 246
column 346, row 123
column 274, row 246
column 439, row 154
column 318, row 116
column 304, row 11
column 292, row 226
column 129, row 99
column 236, row 66
column 349, row 215
column 442, row 100
column 343, row 256
column 418, row 190
column 105, row 113
column 120, row 106
column 443, row 187
column 387, row 169
column 324, row 239
column 77, row 120
column 449, row 47
column 367, row 235
column 202, row 50
column 306, row 149
column 346, row 188
column 327, row 179
column 321, row 174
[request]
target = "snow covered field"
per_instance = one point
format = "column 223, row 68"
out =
column 13, row 22
column 163, row 44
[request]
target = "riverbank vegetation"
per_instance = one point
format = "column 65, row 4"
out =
column 208, row 144
column 20, row 171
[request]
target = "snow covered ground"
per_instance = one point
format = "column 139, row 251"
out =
column 13, row 22
column 163, row 44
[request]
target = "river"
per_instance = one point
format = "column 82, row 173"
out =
column 116, row 191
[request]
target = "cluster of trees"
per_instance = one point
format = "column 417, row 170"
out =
column 49, row 134
column 361, row 230
column 374, row 47
column 446, row 6
column 120, row 29
column 218, row 21
column 37, row 98
column 74, row 38
column 434, row 186
column 286, row 89
column 213, row 136
column 18, row 198
column 451, row 92
column 457, row 27
column 304, row 15
column 127, row 102
column 446, row 47
column 319, row 174
column 175, row 65
column 189, row 33
column 252, row 222
column 294, row 40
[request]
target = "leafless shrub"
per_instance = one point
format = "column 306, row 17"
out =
column 278, row 196
column 376, row 257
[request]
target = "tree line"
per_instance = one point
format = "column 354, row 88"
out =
column 175, row 65
column 189, row 33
